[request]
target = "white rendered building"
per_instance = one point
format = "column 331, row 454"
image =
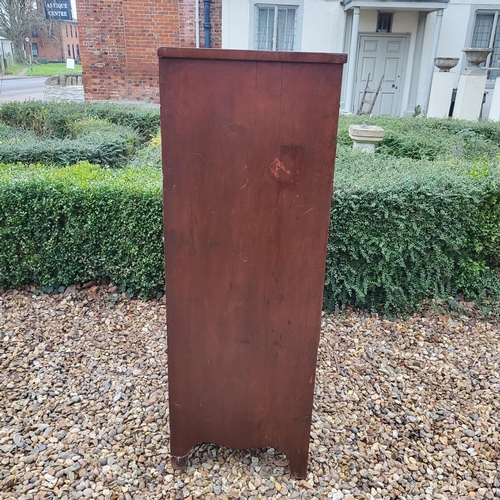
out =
column 394, row 39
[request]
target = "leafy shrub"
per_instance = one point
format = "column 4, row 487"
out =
column 95, row 141
column 149, row 155
column 14, row 134
column 50, row 119
column 486, row 129
column 144, row 120
column 74, row 224
column 404, row 138
column 402, row 231
column 429, row 139
column 405, row 146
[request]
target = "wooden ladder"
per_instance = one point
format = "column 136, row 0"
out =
column 372, row 93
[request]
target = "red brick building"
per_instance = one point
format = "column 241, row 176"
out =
column 56, row 44
column 119, row 39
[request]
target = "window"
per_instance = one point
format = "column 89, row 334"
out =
column 71, row 30
column 34, row 34
column 69, row 51
column 78, row 52
column 67, row 31
column 275, row 27
column 34, row 49
column 384, row 22
column 486, row 34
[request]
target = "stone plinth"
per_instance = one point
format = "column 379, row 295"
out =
column 441, row 92
column 471, row 86
column 366, row 136
column 495, row 102
column 470, row 95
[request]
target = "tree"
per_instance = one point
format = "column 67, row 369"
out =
column 18, row 18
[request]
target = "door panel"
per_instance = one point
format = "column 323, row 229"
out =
column 393, row 46
column 381, row 55
column 370, row 46
column 391, row 69
column 386, row 103
column 368, row 66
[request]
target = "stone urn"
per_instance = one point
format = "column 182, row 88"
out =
column 475, row 57
column 365, row 137
column 446, row 63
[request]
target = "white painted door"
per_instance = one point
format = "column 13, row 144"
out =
column 379, row 56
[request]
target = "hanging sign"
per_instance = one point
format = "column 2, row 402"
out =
column 58, row 10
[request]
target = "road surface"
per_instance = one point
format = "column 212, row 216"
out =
column 21, row 89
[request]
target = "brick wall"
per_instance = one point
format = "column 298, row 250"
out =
column 70, row 40
column 119, row 39
column 48, row 47
column 55, row 48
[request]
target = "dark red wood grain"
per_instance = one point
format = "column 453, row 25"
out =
column 248, row 156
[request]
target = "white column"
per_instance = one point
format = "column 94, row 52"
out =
column 432, row 55
column 441, row 92
column 352, row 60
column 495, row 102
column 417, row 63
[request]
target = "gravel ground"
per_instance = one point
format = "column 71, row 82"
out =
column 406, row 409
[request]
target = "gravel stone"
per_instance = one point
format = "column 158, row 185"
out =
column 404, row 408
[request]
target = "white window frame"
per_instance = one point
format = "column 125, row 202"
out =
column 491, row 65
column 293, row 4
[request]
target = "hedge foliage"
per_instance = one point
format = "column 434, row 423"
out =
column 62, row 134
column 402, row 231
column 78, row 223
column 429, row 138
column 149, row 155
column 94, row 140
column 50, row 119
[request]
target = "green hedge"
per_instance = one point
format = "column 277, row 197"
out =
column 402, row 231
column 149, row 155
column 49, row 119
column 93, row 140
column 428, row 138
column 78, row 223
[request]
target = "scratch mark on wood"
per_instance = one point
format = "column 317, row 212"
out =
column 206, row 162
